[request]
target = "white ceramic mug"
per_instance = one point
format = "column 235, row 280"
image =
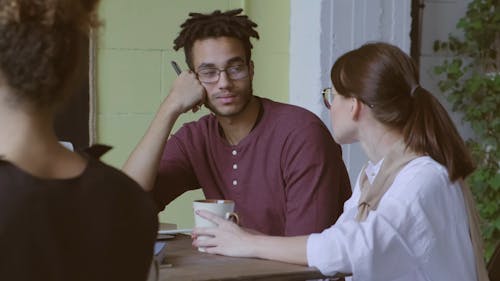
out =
column 221, row 208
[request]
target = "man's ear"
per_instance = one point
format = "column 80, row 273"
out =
column 250, row 69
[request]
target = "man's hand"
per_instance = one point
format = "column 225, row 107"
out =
column 186, row 93
column 142, row 165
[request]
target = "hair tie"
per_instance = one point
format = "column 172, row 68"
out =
column 414, row 90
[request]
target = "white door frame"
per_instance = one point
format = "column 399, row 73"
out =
column 321, row 31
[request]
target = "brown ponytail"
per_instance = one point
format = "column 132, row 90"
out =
column 429, row 130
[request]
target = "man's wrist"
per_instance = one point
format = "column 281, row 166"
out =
column 170, row 110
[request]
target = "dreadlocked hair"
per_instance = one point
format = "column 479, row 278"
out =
column 217, row 24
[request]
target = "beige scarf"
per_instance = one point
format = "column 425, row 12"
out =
column 395, row 160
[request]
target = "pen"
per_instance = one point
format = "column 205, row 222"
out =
column 178, row 70
column 176, row 67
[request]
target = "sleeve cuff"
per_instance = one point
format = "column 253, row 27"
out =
column 313, row 250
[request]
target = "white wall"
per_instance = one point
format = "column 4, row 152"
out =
column 321, row 31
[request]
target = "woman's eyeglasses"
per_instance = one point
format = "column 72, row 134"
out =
column 327, row 97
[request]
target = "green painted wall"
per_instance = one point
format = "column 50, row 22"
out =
column 271, row 52
column 134, row 73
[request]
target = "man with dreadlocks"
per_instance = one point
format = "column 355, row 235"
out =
column 278, row 162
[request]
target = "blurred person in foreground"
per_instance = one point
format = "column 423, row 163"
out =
column 63, row 215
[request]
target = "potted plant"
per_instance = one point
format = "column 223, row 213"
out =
column 471, row 83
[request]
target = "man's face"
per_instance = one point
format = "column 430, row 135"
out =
column 226, row 97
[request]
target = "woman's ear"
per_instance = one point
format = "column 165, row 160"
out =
column 356, row 106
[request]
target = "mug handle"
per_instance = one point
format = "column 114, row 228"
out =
column 232, row 216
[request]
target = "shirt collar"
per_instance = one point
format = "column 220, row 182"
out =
column 372, row 170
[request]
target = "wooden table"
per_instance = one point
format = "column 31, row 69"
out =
column 187, row 263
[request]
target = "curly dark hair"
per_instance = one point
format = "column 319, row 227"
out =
column 40, row 46
column 216, row 24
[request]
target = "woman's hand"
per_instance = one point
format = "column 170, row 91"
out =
column 226, row 239
column 229, row 239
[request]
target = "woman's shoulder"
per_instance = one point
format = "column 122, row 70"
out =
column 104, row 177
column 421, row 179
column 101, row 174
column 114, row 192
column 423, row 169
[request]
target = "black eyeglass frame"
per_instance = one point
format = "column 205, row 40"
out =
column 228, row 73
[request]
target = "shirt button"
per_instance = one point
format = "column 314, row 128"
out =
column 235, row 166
column 235, row 152
column 235, row 182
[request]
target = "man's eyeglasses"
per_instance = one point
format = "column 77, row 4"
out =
column 212, row 74
column 328, row 98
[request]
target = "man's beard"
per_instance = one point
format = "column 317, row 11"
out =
column 246, row 98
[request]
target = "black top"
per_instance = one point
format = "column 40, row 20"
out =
column 99, row 225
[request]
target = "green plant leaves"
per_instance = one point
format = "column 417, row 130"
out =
column 471, row 83
column 495, row 182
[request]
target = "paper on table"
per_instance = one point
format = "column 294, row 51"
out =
column 175, row 231
column 167, row 226
column 160, row 237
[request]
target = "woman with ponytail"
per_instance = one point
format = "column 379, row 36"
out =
column 410, row 217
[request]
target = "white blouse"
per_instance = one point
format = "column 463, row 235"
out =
column 419, row 231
